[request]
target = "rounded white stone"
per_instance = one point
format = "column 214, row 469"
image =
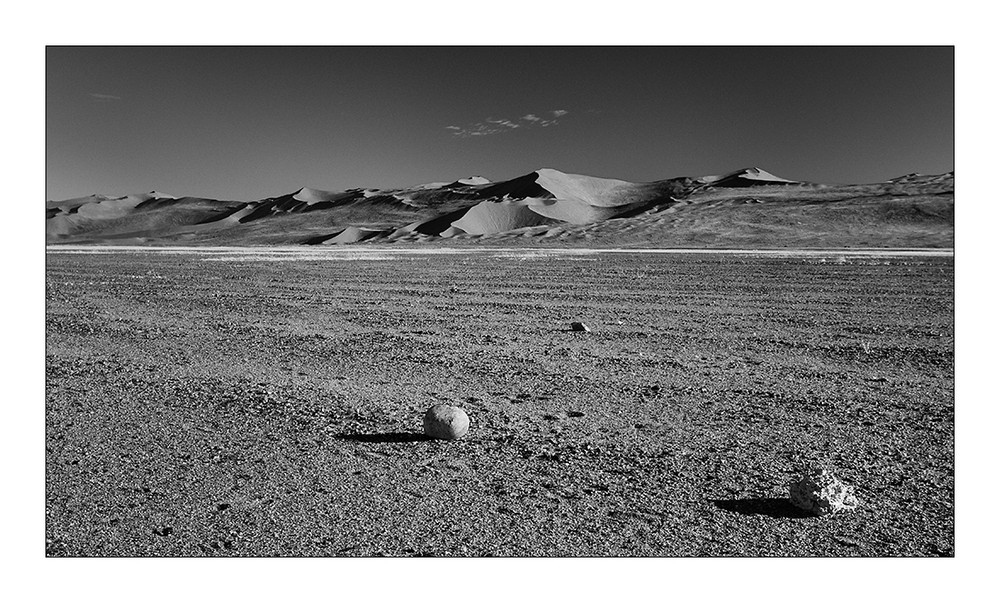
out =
column 445, row 422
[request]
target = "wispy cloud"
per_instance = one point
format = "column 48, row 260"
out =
column 492, row 125
column 503, row 122
column 104, row 98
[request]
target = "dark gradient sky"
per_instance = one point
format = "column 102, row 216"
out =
column 247, row 123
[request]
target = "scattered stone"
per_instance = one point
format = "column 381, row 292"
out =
column 843, row 540
column 819, row 492
column 445, row 422
column 575, row 413
column 579, row 326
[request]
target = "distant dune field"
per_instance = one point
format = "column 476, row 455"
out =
column 748, row 208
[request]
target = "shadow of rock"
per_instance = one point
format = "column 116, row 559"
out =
column 771, row 507
column 383, row 438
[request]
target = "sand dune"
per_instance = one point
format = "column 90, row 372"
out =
column 452, row 231
column 474, row 180
column 470, row 181
column 102, row 206
column 587, row 190
column 545, row 205
column 435, row 225
column 352, row 234
column 145, row 216
column 429, row 186
column 491, row 217
column 745, row 177
column 311, row 196
column 573, row 211
column 460, row 183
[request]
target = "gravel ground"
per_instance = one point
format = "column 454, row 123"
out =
column 252, row 408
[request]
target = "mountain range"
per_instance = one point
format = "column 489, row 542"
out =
column 747, row 208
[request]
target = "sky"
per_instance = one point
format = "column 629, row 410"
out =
column 247, row 123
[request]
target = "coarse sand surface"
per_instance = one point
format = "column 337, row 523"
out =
column 258, row 408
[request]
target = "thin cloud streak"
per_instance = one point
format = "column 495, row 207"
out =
column 104, row 98
column 491, row 125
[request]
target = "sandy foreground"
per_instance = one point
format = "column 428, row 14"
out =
column 228, row 404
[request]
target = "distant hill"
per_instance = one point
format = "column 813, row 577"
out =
column 747, row 208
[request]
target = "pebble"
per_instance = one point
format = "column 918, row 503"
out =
column 445, row 422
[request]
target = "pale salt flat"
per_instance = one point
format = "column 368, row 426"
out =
column 297, row 253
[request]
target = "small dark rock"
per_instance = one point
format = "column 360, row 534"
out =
column 579, row 326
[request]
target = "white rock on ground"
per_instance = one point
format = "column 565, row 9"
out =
column 445, row 422
column 819, row 492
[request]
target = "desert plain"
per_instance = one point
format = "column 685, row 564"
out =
column 268, row 401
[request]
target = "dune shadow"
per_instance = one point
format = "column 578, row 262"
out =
column 383, row 438
column 771, row 507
